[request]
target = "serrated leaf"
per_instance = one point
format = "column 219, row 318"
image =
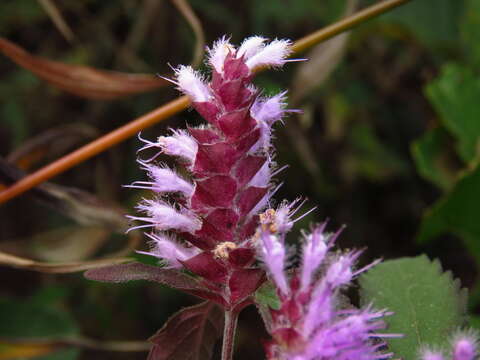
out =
column 190, row 334
column 455, row 94
column 428, row 152
column 427, row 303
column 456, row 212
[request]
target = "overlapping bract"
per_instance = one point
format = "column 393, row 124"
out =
column 210, row 221
column 312, row 323
column 464, row 347
column 204, row 221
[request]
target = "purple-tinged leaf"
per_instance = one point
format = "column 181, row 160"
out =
column 138, row 271
column 205, row 265
column 190, row 334
column 243, row 283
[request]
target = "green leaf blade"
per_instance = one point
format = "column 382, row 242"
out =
column 427, row 303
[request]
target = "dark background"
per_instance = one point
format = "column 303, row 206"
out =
column 350, row 153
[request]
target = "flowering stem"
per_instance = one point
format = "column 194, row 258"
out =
column 231, row 319
column 105, row 142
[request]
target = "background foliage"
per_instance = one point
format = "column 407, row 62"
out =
column 388, row 144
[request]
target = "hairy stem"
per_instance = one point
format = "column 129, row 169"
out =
column 105, row 142
column 231, row 319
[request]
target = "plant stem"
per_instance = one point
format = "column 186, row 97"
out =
column 103, row 143
column 231, row 319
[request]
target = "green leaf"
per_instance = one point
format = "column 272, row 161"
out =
column 456, row 212
column 454, row 95
column 27, row 319
column 38, row 317
column 434, row 22
column 470, row 28
column 428, row 154
column 427, row 303
column 146, row 259
column 370, row 157
column 266, row 295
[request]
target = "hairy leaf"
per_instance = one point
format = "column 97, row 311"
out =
column 81, row 80
column 427, row 303
column 137, row 271
column 190, row 334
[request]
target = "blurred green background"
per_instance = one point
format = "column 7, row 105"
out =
column 388, row 144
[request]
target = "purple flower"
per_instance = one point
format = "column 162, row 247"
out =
column 464, row 347
column 310, row 325
column 204, row 220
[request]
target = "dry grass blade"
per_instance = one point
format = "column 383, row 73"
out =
column 53, row 344
column 176, row 106
column 80, row 80
column 85, row 209
column 184, row 7
column 58, row 268
column 57, row 18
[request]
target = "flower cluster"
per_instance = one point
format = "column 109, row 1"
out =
column 204, row 221
column 313, row 321
column 464, row 347
column 209, row 220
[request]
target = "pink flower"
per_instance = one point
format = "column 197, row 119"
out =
column 309, row 324
column 464, row 347
column 212, row 213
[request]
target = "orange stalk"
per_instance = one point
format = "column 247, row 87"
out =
column 173, row 107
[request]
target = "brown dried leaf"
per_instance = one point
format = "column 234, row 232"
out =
column 79, row 205
column 82, row 207
column 52, row 143
column 80, row 80
column 190, row 334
